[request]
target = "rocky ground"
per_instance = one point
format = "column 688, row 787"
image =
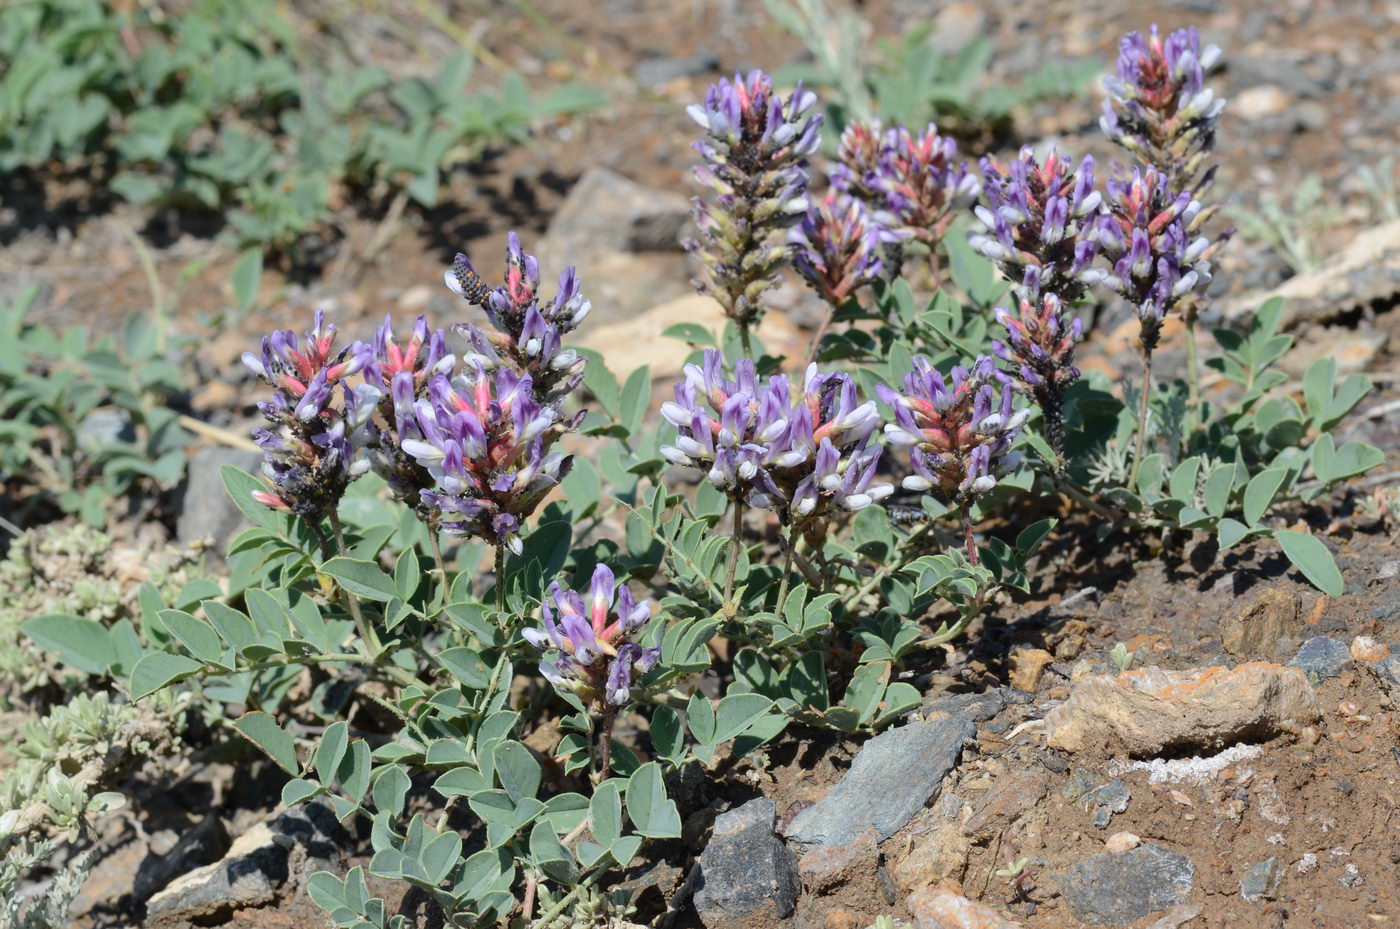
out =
column 1243, row 772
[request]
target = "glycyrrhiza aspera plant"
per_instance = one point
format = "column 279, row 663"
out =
column 479, row 533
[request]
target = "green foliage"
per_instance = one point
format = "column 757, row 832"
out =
column 221, row 107
column 86, row 416
column 911, row 81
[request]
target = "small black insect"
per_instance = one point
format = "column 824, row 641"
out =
column 474, row 289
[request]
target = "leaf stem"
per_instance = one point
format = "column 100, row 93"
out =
column 787, row 567
column 548, row 917
column 964, row 508
column 441, row 563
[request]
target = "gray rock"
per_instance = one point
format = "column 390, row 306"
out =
column 1321, row 658
column 1113, row 890
column 891, row 779
column 102, row 428
column 662, row 70
column 207, row 511
column 1262, row 881
column 254, row 869
column 1249, row 71
column 746, row 873
column 975, row 707
column 1111, row 798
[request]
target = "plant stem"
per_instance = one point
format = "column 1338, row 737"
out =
column 500, row 579
column 965, row 510
column 605, row 744
column 1143, row 411
column 787, row 567
column 437, row 557
column 820, row 334
column 1193, row 375
column 736, row 543
column 366, row 631
column 745, row 341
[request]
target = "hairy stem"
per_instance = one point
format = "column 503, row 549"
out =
column 1140, row 442
column 1193, row 375
column 548, row 917
column 736, row 544
column 787, row 567
column 965, row 509
column 500, row 579
column 605, row 744
column 819, row 335
column 745, row 340
column 441, row 563
column 366, row 631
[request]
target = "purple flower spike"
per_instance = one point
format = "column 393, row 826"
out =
column 1158, row 106
column 1036, row 224
column 1150, row 235
column 959, row 429
column 807, row 455
column 838, row 247
column 1039, row 346
column 313, row 450
column 593, row 641
column 529, row 332
column 754, row 163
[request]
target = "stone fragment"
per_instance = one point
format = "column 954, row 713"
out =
column 890, row 780
column 1148, row 711
column 945, row 907
column 1177, row 916
column 1365, row 272
column 1251, row 630
column 936, row 855
column 206, row 510
column 827, row 867
column 1027, row 666
column 976, row 707
column 1258, row 102
column 1121, row 842
column 746, row 873
column 637, row 339
column 1010, row 796
column 1111, row 798
column 1367, row 650
column 1262, row 881
column 1321, row 658
column 1112, row 890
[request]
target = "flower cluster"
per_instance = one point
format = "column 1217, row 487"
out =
column 1158, row 106
column 485, row 442
column 597, row 654
column 1038, row 221
column 529, row 333
column 912, row 180
column 1150, row 236
column 960, row 430
column 754, row 152
column 311, row 453
column 1039, row 346
column 804, row 457
column 838, row 247
column 401, row 372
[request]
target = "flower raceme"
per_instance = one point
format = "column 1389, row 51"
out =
column 529, row 333
column 754, row 164
column 912, row 181
column 401, row 372
column 837, row 247
column 960, row 430
column 594, row 641
column 1158, row 106
column 805, row 457
column 1149, row 235
column 486, row 441
column 1037, row 221
column 1039, row 346
column 311, row 454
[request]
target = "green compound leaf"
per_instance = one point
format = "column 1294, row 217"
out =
column 651, row 812
column 362, row 579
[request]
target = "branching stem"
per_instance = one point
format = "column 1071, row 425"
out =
column 366, row 631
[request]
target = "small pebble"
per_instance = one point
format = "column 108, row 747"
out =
column 1121, row 842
